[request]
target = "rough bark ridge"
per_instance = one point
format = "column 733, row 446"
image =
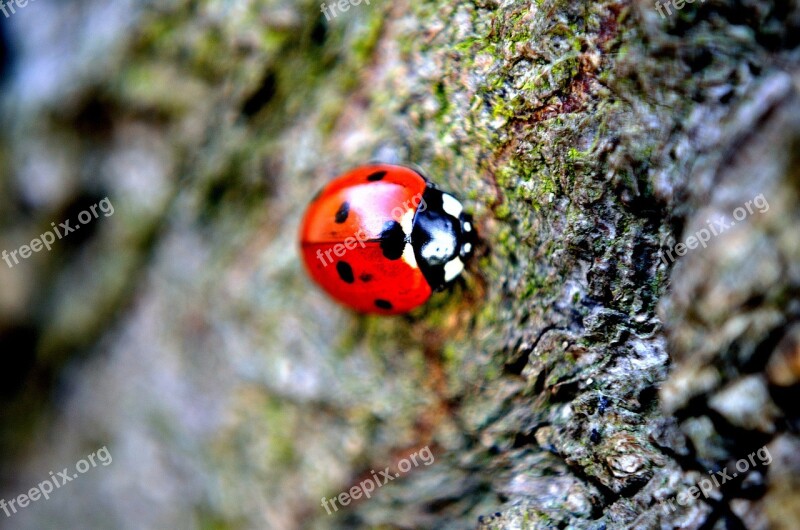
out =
column 587, row 139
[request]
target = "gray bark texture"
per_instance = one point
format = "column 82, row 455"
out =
column 623, row 337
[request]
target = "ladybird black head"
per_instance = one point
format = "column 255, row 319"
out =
column 442, row 237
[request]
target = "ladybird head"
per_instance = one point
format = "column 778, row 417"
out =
column 442, row 237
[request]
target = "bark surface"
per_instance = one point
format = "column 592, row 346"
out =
column 588, row 369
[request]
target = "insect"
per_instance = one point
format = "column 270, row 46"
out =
column 382, row 238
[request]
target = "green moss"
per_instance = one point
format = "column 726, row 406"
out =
column 364, row 43
column 443, row 100
column 503, row 108
column 502, row 211
column 565, row 70
column 467, row 44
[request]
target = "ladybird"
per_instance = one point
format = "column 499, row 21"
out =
column 382, row 238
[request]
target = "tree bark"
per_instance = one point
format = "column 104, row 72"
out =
column 612, row 346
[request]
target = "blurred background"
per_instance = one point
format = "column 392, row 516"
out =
column 574, row 379
column 180, row 331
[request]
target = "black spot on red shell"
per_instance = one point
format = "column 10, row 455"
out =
column 345, row 272
column 383, row 304
column 378, row 175
column 343, row 212
column 365, row 277
column 393, row 240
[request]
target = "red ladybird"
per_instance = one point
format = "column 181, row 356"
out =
column 381, row 239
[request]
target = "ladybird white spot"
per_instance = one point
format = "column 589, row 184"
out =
column 408, row 256
column 452, row 269
column 441, row 246
column 467, row 226
column 467, row 247
column 407, row 222
column 451, row 205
